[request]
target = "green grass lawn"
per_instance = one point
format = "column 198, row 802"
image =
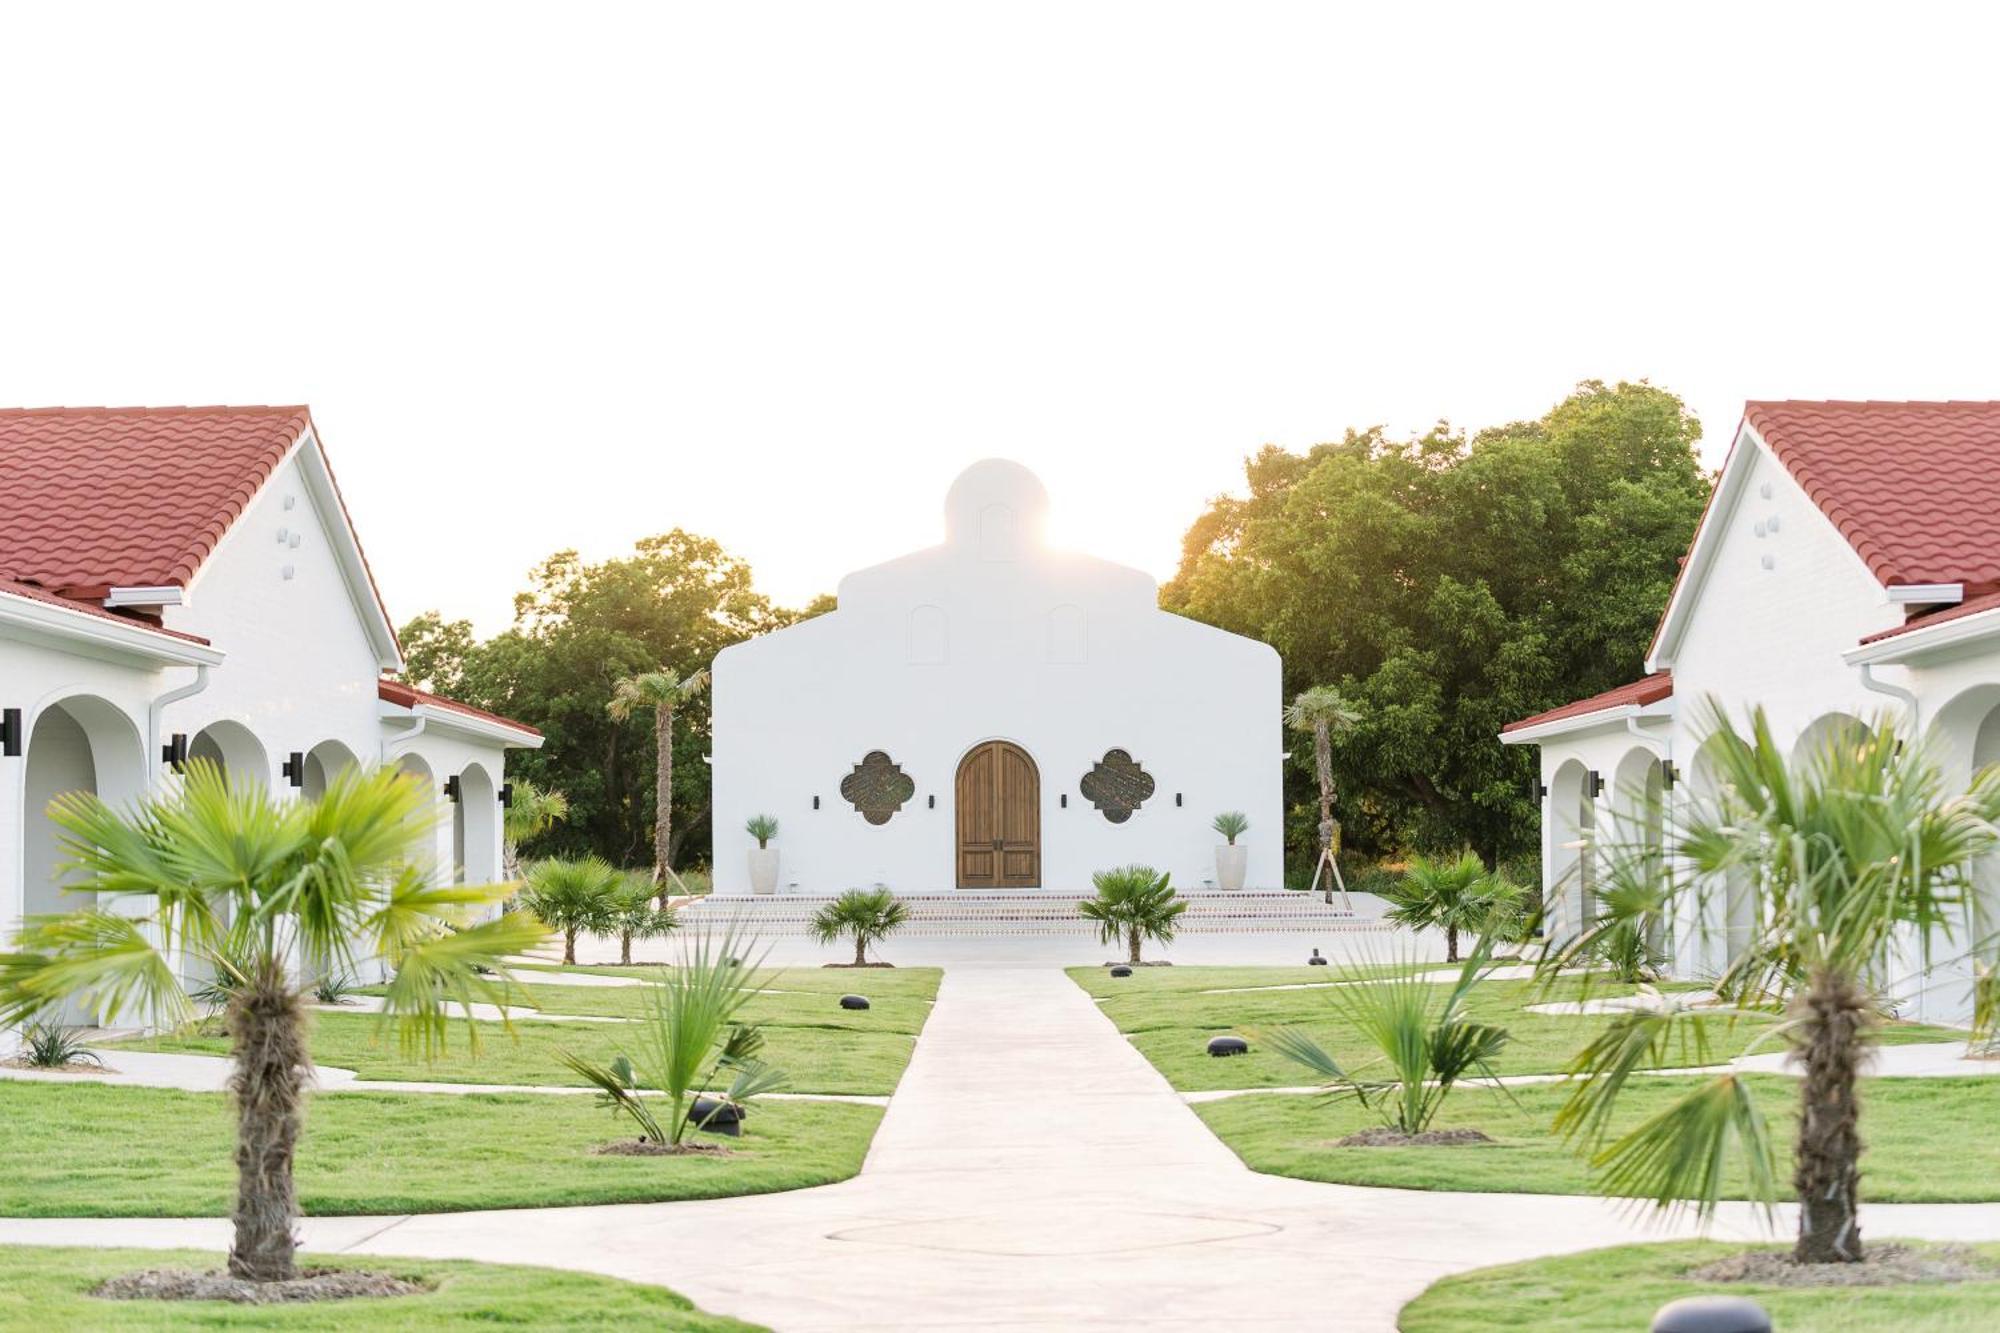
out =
column 1183, row 980
column 93, row 1149
column 820, row 1046
column 1618, row 1290
column 1929, row 1140
column 1171, row 1023
column 45, row 1289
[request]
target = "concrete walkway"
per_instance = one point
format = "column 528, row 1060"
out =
column 1032, row 1172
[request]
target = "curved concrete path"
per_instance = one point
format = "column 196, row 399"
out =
column 1032, row 1172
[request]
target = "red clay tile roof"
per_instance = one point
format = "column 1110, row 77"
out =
column 1914, row 487
column 130, row 496
column 1971, row 606
column 47, row 598
column 1652, row 689
column 408, row 696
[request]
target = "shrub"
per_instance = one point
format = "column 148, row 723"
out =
column 868, row 915
column 763, row 828
column 1461, row 897
column 635, row 915
column 1231, row 824
column 573, row 897
column 1134, row 902
column 52, row 1046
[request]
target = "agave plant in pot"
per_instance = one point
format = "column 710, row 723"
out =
column 1232, row 858
column 763, row 857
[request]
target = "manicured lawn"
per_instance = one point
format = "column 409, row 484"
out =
column 45, row 1289
column 91, row 1149
column 912, row 983
column 1171, row 1027
column 1618, row 1290
column 1182, row 980
column 820, row 1046
column 1929, row 1140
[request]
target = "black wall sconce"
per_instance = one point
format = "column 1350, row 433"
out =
column 932, row 799
column 507, row 794
column 1537, row 789
column 10, row 732
column 294, row 769
column 1669, row 775
column 451, row 788
column 175, row 751
column 815, row 802
column 1065, row 800
column 1595, row 782
column 1177, row 800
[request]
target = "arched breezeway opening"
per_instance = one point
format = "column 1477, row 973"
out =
column 425, row 850
column 1963, row 740
column 78, row 744
column 1827, row 731
column 475, row 827
column 324, row 762
column 1572, row 877
column 1638, row 841
column 235, row 749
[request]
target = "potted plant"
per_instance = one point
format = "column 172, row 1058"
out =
column 1231, row 858
column 763, row 857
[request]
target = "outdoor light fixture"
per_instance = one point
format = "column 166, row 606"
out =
column 10, row 732
column 1669, row 775
column 1177, row 799
column 932, row 798
column 1595, row 782
column 1065, row 800
column 175, row 751
column 451, row 788
column 1536, row 789
column 815, row 802
column 507, row 794
column 294, row 769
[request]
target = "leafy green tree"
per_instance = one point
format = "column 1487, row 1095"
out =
column 1857, row 852
column 221, row 874
column 573, row 897
column 1447, row 585
column 1457, row 897
column 1135, row 903
column 866, row 915
column 662, row 692
column 579, row 628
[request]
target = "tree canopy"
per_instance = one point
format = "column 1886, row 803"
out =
column 1447, row 585
column 579, row 628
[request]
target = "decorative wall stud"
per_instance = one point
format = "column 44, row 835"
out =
column 175, row 751
column 294, row 769
column 877, row 787
column 10, row 732
column 1117, row 786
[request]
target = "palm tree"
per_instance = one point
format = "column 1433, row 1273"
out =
column 1855, row 848
column 634, row 914
column 574, row 897
column 1134, row 902
column 1320, row 712
column 1459, row 896
column 662, row 691
column 533, row 810
column 271, row 892
column 868, row 915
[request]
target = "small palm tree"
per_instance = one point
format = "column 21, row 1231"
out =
column 1134, row 903
column 1320, row 712
column 574, row 897
column 691, row 1035
column 1231, row 824
column 1419, row 1027
column 868, row 915
column 1856, row 849
column 534, row 810
column 662, row 691
column 634, row 914
column 270, row 892
column 1456, row 897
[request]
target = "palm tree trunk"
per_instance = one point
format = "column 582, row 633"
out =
column 624, row 948
column 663, row 799
column 1828, row 1171
column 569, row 946
column 1451, row 944
column 1323, row 762
column 1132, row 942
column 860, row 949
column 268, row 1044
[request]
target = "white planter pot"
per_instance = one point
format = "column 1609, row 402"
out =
column 763, row 870
column 1231, row 861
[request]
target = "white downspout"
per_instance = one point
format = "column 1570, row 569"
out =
column 159, row 706
column 1908, row 697
column 402, row 738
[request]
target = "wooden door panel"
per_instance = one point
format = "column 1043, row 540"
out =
column 999, row 818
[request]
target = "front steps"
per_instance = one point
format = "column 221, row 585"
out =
column 968, row 912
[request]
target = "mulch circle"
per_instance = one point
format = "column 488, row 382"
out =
column 1384, row 1136
column 648, row 1148
column 312, row 1284
column 73, row 1067
column 1882, row 1266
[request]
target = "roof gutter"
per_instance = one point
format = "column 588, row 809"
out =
column 173, row 696
column 164, row 595
column 1908, row 698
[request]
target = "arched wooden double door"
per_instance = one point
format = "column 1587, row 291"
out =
column 999, row 818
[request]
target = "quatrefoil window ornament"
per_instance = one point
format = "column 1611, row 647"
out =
column 877, row 787
column 1117, row 786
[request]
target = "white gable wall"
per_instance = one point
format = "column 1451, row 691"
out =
column 994, row 637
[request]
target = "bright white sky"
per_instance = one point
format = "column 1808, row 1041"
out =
column 572, row 275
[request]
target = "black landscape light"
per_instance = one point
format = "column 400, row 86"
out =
column 854, row 1001
column 1219, row 1046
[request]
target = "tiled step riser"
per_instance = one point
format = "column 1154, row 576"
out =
column 1022, row 913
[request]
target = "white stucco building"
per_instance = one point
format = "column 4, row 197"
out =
column 185, row 581
column 994, row 714
column 1847, row 569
